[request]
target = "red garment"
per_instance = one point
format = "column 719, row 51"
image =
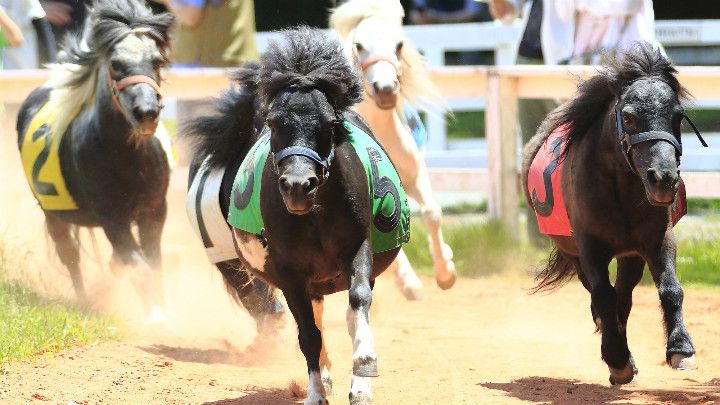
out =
column 545, row 188
column 545, row 185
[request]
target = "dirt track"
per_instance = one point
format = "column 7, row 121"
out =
column 485, row 341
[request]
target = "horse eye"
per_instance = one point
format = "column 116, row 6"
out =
column 116, row 65
column 399, row 47
column 359, row 47
column 628, row 119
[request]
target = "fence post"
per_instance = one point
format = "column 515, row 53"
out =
column 501, row 131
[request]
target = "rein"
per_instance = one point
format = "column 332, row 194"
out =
column 627, row 141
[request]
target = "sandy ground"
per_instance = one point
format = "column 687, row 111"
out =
column 485, row 341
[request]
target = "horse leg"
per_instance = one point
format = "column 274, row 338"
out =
column 255, row 296
column 629, row 273
column 586, row 283
column 309, row 337
column 360, row 298
column 594, row 261
column 406, row 279
column 68, row 249
column 325, row 364
column 680, row 353
column 128, row 255
column 421, row 191
column 150, row 226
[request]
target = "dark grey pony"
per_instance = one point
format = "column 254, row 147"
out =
column 105, row 98
column 621, row 177
column 316, row 210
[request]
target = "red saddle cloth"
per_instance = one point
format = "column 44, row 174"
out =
column 545, row 188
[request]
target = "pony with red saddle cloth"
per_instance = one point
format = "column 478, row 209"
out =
column 603, row 177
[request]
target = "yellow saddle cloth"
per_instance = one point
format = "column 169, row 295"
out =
column 41, row 161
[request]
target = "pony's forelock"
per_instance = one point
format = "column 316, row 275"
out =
column 307, row 58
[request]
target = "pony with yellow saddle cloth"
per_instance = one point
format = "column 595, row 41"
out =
column 87, row 145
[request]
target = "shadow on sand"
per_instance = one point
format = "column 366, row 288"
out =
column 230, row 355
column 259, row 396
column 558, row 391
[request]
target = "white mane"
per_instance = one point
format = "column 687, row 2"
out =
column 416, row 85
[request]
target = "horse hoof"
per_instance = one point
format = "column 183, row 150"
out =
column 624, row 375
column 683, row 362
column 447, row 283
column 412, row 294
column 327, row 385
column 360, row 399
column 367, row 368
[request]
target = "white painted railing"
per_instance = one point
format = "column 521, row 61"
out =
column 500, row 85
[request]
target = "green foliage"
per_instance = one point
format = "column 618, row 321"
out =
column 33, row 325
column 481, row 248
column 466, row 125
column 701, row 206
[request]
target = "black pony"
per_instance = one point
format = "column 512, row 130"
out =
column 620, row 183
column 315, row 200
column 87, row 144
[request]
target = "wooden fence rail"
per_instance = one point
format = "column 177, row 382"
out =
column 500, row 85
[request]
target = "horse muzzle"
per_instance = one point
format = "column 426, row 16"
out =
column 661, row 186
column 298, row 192
column 385, row 97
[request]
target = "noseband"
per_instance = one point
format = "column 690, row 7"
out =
column 365, row 65
column 627, row 141
column 308, row 153
column 116, row 86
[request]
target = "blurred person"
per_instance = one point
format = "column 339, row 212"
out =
column 24, row 38
column 10, row 33
column 569, row 32
column 447, row 11
column 65, row 16
column 218, row 33
column 272, row 15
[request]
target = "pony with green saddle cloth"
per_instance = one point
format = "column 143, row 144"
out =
column 314, row 203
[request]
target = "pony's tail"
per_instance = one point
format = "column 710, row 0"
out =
column 225, row 132
column 557, row 273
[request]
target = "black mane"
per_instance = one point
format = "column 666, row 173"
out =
column 304, row 58
column 307, row 58
column 595, row 95
column 110, row 21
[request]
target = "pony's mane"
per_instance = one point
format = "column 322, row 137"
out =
column 596, row 95
column 416, row 86
column 308, row 58
column 74, row 77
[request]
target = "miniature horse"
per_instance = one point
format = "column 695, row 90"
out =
column 303, row 203
column 619, row 180
column 394, row 78
column 87, row 144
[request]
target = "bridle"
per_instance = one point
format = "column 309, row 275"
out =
column 627, row 141
column 116, row 86
column 308, row 153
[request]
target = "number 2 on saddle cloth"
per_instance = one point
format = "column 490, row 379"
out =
column 41, row 161
column 545, row 187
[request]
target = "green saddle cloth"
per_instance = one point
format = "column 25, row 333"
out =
column 390, row 211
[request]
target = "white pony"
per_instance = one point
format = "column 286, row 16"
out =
column 393, row 71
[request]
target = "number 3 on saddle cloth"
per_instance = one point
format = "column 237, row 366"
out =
column 390, row 210
column 545, row 188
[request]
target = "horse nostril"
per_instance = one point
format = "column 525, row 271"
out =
column 284, row 184
column 376, row 87
column 145, row 114
column 653, row 177
column 310, row 185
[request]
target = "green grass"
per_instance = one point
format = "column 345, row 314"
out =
column 31, row 324
column 466, row 125
column 481, row 248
